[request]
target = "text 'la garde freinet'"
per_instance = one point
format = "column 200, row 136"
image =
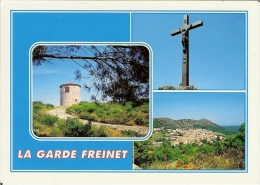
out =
column 64, row 154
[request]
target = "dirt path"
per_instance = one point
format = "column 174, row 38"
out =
column 61, row 113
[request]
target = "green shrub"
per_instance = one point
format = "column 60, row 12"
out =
column 144, row 154
column 55, row 132
column 74, row 128
column 37, row 107
column 100, row 113
column 98, row 132
column 130, row 133
column 91, row 107
column 48, row 120
column 49, row 106
column 112, row 113
column 41, row 130
column 128, row 106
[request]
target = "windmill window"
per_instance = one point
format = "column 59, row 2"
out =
column 67, row 89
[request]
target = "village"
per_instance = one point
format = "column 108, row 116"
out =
column 177, row 136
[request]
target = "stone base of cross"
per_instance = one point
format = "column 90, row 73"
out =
column 169, row 87
column 185, row 43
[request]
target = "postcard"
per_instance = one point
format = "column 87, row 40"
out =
column 151, row 92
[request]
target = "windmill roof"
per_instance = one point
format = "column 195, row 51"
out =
column 70, row 84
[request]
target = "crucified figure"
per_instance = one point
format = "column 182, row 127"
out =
column 184, row 39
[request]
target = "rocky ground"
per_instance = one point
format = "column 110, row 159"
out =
column 61, row 113
column 169, row 87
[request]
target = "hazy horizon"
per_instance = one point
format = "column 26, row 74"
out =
column 223, row 108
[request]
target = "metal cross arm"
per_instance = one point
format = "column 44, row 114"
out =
column 187, row 27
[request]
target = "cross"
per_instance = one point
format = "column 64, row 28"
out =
column 185, row 42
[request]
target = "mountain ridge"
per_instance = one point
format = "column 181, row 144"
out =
column 203, row 123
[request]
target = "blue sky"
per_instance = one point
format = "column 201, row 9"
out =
column 217, row 49
column 220, row 108
column 49, row 76
column 65, row 27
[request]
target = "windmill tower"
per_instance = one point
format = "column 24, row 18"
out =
column 69, row 94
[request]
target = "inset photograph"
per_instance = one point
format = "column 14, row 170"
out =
column 195, row 131
column 195, row 51
column 90, row 90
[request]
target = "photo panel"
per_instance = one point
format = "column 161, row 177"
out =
column 199, row 50
column 90, row 90
column 198, row 131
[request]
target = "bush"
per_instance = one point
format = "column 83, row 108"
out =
column 130, row 133
column 55, row 132
column 41, row 130
column 37, row 107
column 48, row 120
column 128, row 106
column 74, row 128
column 144, row 154
column 91, row 107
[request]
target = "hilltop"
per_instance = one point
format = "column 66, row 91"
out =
column 168, row 123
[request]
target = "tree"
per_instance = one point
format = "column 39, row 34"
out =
column 144, row 154
column 119, row 73
column 236, row 141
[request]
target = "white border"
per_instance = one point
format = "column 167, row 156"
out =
column 252, row 177
column 151, row 93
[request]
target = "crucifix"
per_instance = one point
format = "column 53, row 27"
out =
column 185, row 43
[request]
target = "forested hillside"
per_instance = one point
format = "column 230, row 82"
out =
column 232, row 129
column 228, row 153
column 189, row 124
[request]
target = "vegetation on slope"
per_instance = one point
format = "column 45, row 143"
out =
column 232, row 129
column 45, row 125
column 112, row 113
column 220, row 154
